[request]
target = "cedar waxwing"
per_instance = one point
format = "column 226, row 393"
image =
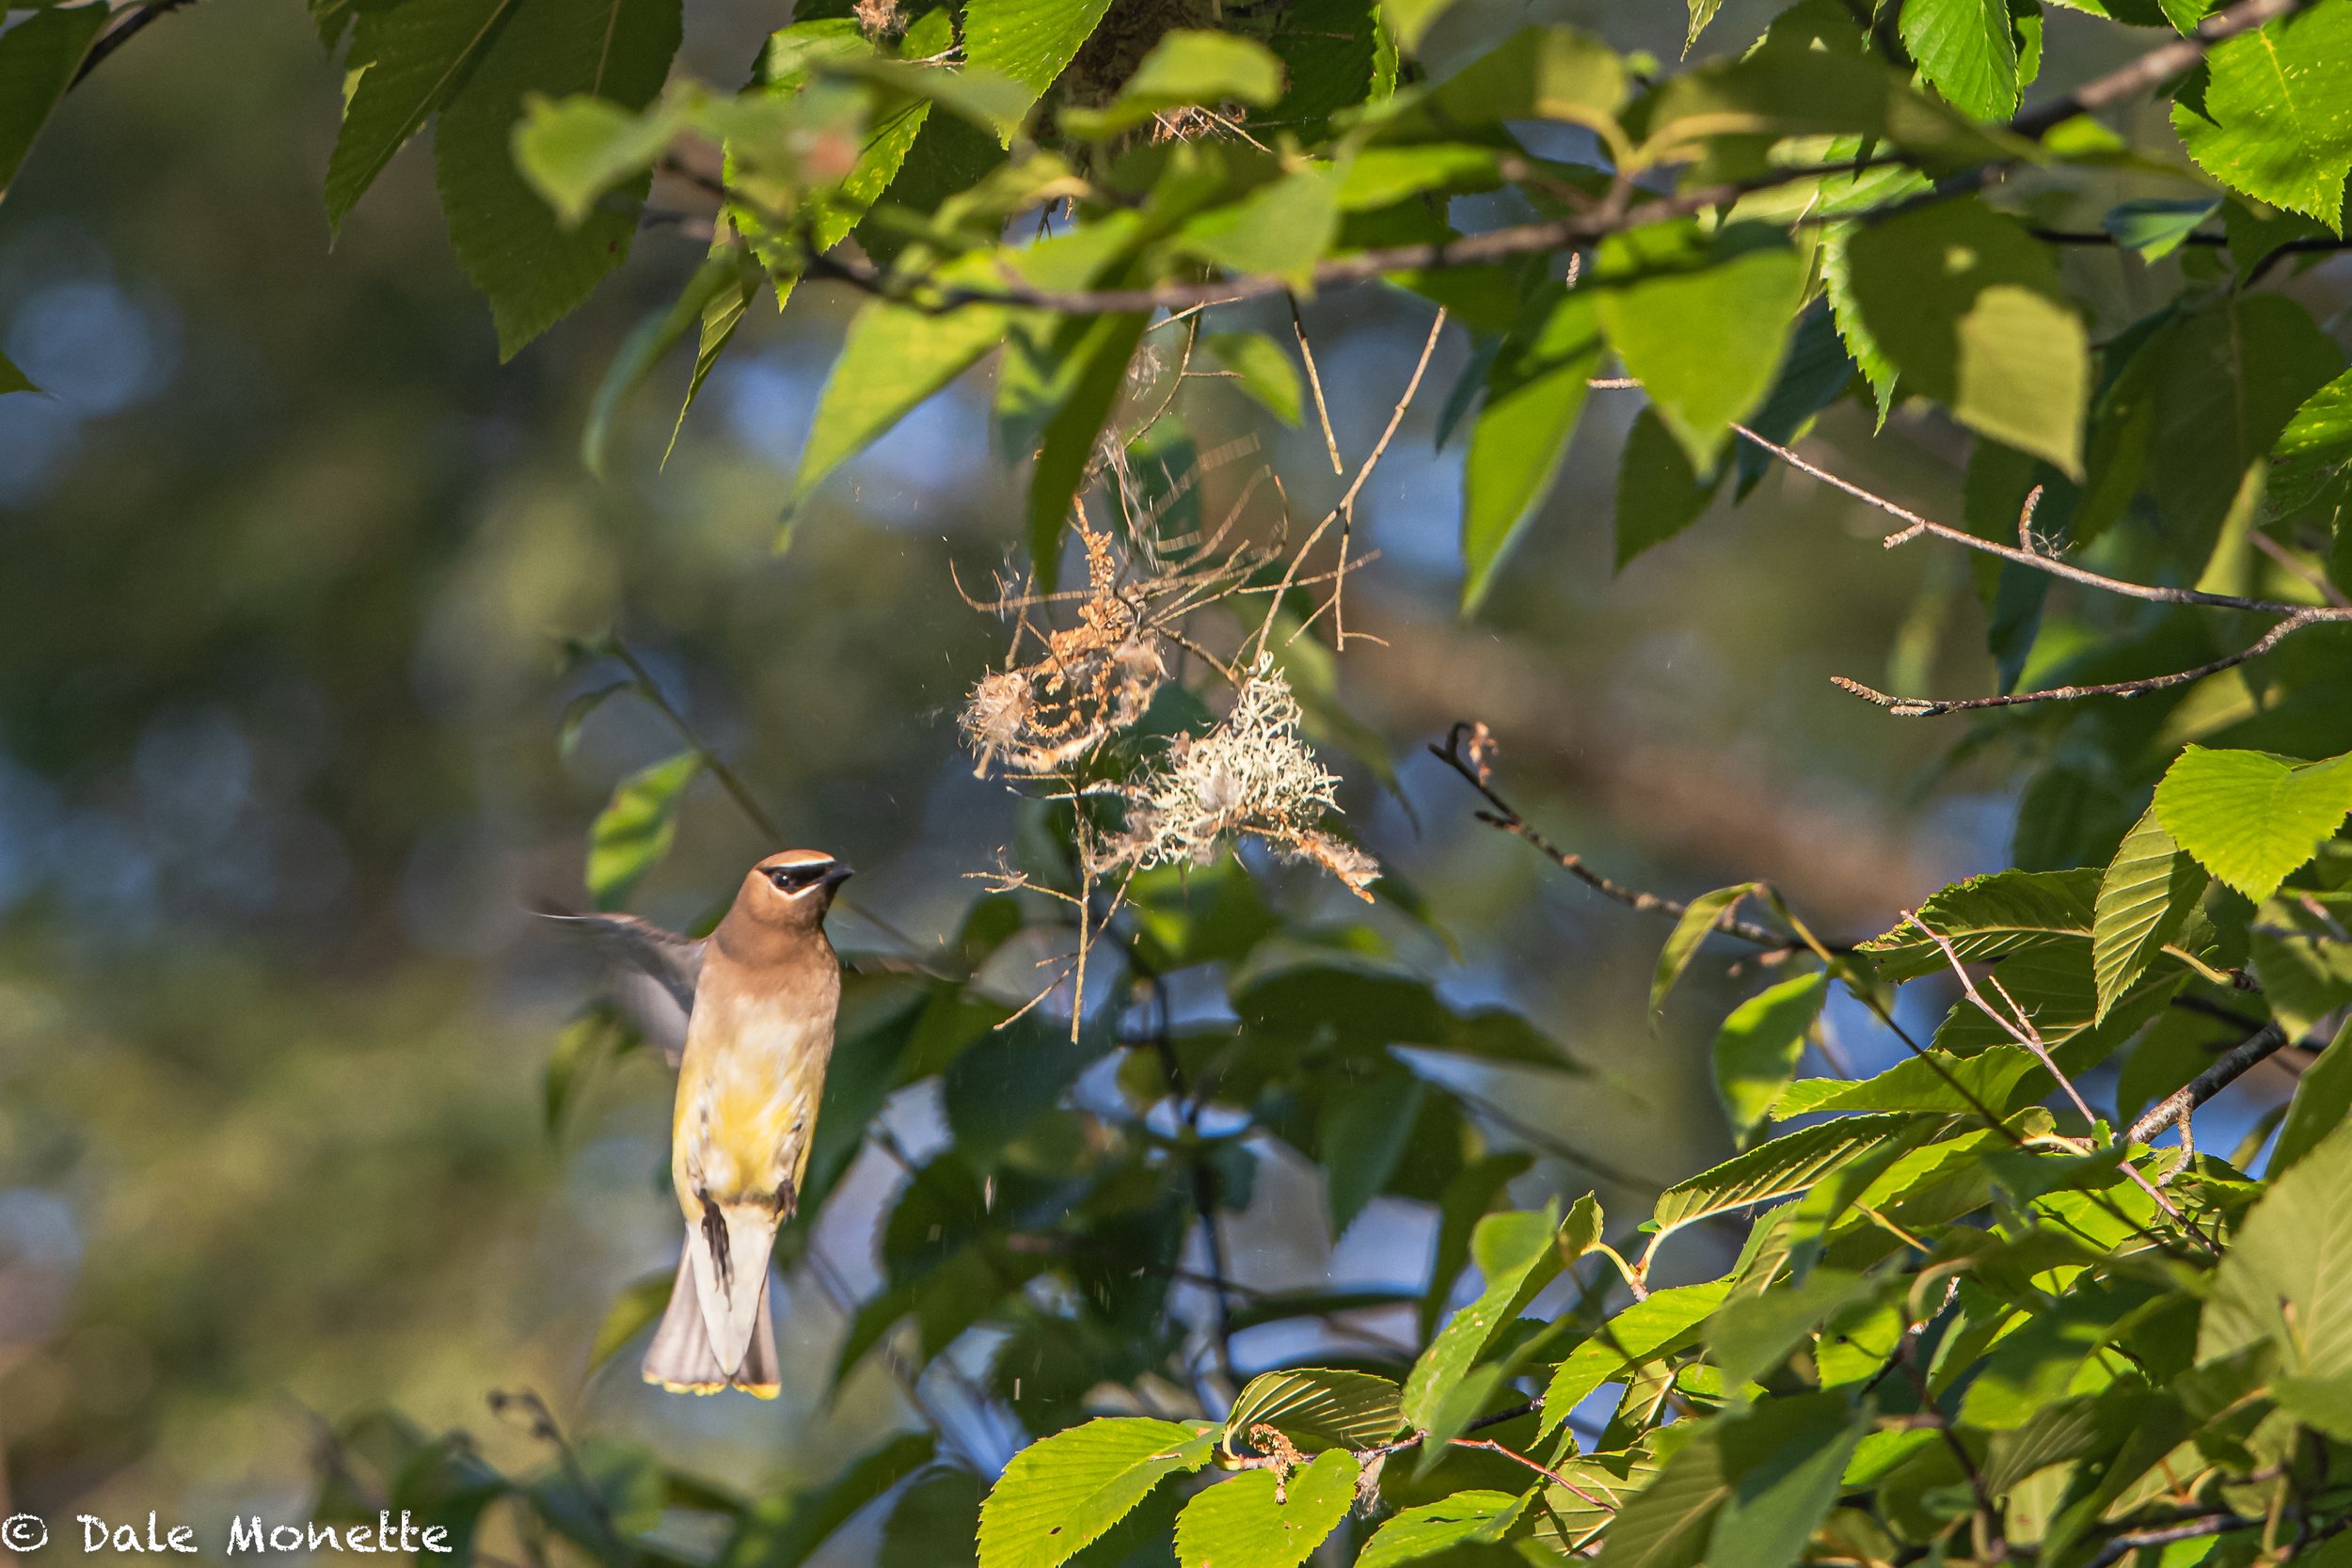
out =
column 760, row 993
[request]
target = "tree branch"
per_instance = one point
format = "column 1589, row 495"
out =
column 1473, row 766
column 1931, row 707
column 2176, row 1108
column 135, row 21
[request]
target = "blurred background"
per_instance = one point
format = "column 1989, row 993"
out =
column 288, row 560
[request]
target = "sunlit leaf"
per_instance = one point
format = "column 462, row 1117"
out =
column 1701, row 917
column 634, row 831
column 2146, row 896
column 1967, row 305
column 1758, row 1048
column 1534, row 392
column 1062, row 1492
column 2250, row 817
column 1316, row 1407
column 2269, row 112
column 1264, row 1522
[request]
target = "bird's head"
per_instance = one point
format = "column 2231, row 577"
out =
column 791, row 890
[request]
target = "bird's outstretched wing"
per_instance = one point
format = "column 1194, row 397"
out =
column 656, row 986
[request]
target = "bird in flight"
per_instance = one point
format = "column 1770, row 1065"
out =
column 759, row 997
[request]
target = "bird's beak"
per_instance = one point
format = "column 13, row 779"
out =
column 837, row 876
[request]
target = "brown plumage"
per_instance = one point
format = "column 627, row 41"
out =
column 764, row 986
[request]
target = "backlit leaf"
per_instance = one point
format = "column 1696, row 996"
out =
column 1756, row 1049
column 1466, row 1518
column 1517, row 1256
column 1062, row 1492
column 2269, row 112
column 1967, row 305
column 1967, row 49
column 634, row 832
column 1243, row 1521
column 1316, row 1408
column 1699, row 919
column 2146, row 896
column 2250, row 818
column 1534, row 392
column 1702, row 322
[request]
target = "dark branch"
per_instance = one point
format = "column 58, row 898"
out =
column 134, row 22
column 1504, row 816
column 1931, row 707
column 2176, row 1108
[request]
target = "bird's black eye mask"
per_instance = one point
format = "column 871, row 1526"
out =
column 791, row 879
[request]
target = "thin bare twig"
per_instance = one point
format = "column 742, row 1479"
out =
column 135, row 21
column 1314, row 384
column 1504, row 816
column 1931, row 707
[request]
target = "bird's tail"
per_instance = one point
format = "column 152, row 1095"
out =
column 681, row 1358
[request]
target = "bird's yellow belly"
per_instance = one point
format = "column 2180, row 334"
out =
column 747, row 1096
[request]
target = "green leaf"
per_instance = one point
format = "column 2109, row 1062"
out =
column 1967, row 305
column 2301, row 956
column 1700, row 917
column 1817, row 374
column 2005, row 1077
column 638, row 1305
column 1408, row 20
column 1517, row 1254
column 634, row 831
column 573, row 150
column 1316, row 1408
column 2204, row 396
column 722, row 312
column 2322, row 1097
column 1534, row 392
column 1868, row 355
column 895, row 358
column 1262, row 1522
column 2310, row 469
column 1701, row 322
column 1985, row 917
column 719, row 277
column 1785, row 1459
column 1364, row 1131
column 1186, row 67
column 1789, row 1163
column 1752, row 1334
column 1667, row 1523
column 1098, row 370
column 1466, row 1518
column 1062, row 1492
column 1658, row 493
column 13, row 379
column 511, row 247
column 1473, row 1190
column 1029, row 40
column 1260, row 369
column 2147, row 893
column 38, row 57
column 2250, row 818
column 583, row 1040
column 1756, row 1049
column 2156, row 227
column 2269, row 112
column 1660, row 1323
column 2286, row 1282
column 783, row 1529
column 1967, row 49
column 1282, row 227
